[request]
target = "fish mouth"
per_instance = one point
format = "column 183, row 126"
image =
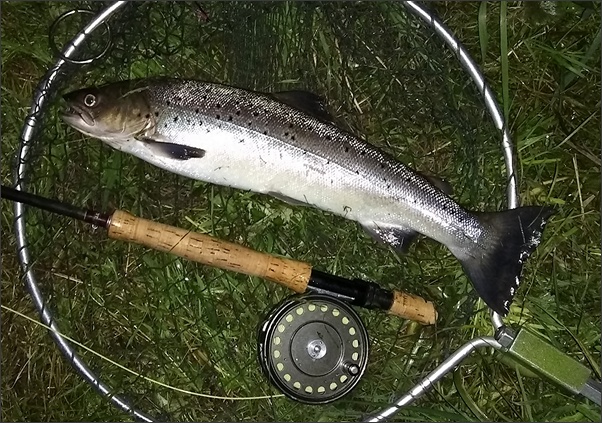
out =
column 77, row 116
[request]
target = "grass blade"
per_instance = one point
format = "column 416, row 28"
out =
column 483, row 35
column 504, row 57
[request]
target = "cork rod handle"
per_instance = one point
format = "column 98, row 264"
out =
column 413, row 307
column 215, row 252
column 208, row 250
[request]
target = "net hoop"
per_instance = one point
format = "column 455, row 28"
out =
column 33, row 121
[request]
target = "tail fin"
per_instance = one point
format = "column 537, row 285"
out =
column 515, row 234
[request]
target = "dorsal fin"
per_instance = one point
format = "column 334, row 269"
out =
column 305, row 101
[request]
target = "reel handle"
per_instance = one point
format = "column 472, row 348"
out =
column 205, row 249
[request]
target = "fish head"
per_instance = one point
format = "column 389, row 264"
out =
column 113, row 112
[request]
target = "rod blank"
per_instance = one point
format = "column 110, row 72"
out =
column 295, row 275
column 54, row 206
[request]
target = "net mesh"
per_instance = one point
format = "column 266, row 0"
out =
column 192, row 327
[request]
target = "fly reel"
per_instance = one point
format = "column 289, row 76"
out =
column 313, row 348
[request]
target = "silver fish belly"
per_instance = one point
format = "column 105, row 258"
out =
column 253, row 143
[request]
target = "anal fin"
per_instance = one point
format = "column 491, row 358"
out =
column 398, row 238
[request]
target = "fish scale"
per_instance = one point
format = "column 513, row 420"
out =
column 285, row 145
column 262, row 124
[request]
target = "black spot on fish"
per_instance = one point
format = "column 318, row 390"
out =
column 363, row 153
column 147, row 116
column 346, row 149
column 175, row 119
column 218, row 117
column 255, row 114
column 156, row 114
column 204, row 97
column 382, row 165
column 286, row 134
column 219, row 106
column 357, row 172
column 389, row 186
column 290, row 126
column 229, row 118
column 292, row 138
column 328, row 137
column 249, row 123
column 238, row 113
column 241, row 140
column 265, row 132
column 168, row 103
column 139, row 114
column 196, row 110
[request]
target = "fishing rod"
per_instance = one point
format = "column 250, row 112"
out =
column 525, row 347
column 296, row 275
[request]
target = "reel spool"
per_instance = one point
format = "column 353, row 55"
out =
column 313, row 348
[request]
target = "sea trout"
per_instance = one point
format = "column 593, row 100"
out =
column 286, row 145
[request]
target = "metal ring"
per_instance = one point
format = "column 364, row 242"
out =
column 55, row 49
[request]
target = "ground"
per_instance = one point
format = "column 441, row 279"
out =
column 169, row 321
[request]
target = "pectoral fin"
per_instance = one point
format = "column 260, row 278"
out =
column 286, row 199
column 398, row 238
column 172, row 150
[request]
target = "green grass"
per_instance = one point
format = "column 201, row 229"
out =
column 385, row 77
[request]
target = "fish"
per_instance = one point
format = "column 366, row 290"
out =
column 287, row 145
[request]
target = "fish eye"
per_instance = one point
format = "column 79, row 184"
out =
column 90, row 100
